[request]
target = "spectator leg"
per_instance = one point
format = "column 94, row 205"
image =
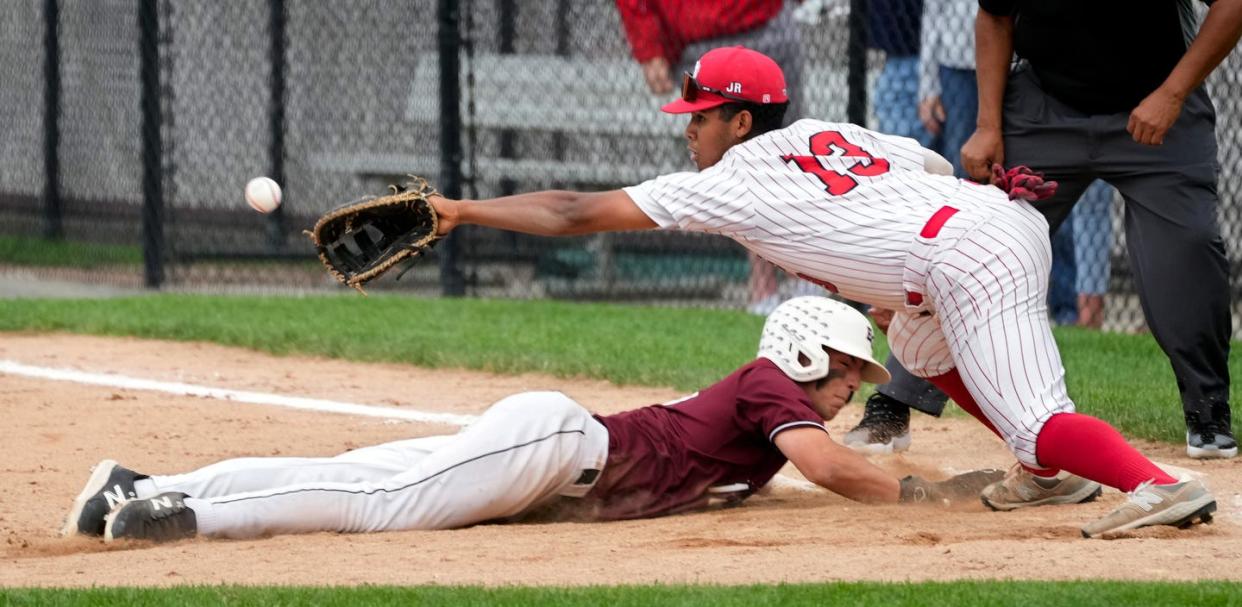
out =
column 1093, row 241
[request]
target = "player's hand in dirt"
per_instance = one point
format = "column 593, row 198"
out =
column 953, row 491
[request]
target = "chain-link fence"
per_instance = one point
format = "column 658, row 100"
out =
column 132, row 126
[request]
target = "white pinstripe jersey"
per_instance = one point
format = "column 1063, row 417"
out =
column 835, row 203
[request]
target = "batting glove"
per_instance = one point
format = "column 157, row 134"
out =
column 1021, row 183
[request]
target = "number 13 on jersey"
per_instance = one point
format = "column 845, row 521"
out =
column 832, row 143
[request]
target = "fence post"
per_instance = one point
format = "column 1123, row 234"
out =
column 506, row 17
column 856, row 79
column 452, row 282
column 276, row 119
column 152, row 145
column 53, row 224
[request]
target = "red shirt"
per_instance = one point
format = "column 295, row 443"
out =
column 664, row 458
column 663, row 28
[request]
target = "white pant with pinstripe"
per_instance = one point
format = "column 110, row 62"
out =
column 525, row 450
column 983, row 281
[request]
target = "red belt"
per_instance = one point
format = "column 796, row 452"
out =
column 931, row 229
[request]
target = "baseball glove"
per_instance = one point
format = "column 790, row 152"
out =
column 361, row 240
column 953, row 491
column 1021, row 183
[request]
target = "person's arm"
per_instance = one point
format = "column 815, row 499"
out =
column 547, row 213
column 835, row 467
column 645, row 32
column 993, row 52
column 658, row 76
column 1218, row 35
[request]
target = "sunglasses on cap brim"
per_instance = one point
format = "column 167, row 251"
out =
column 690, row 90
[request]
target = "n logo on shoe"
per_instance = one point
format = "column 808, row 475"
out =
column 164, row 501
column 1146, row 500
column 116, row 496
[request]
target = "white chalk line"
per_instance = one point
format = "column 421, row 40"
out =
column 242, row 396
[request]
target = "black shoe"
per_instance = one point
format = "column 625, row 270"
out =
column 1209, row 434
column 884, row 429
column 162, row 518
column 109, row 486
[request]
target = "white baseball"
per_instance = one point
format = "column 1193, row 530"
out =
column 263, row 194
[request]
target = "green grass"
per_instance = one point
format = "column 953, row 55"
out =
column 1124, row 379
column 993, row 594
column 40, row 252
column 624, row 344
column 1127, row 380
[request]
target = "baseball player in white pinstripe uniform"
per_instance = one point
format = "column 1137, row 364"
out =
column 878, row 219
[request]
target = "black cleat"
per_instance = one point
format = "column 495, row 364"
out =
column 1209, row 434
column 109, row 486
column 163, row 518
column 884, row 428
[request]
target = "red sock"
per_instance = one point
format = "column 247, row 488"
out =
column 1091, row 448
column 951, row 383
column 1106, row 457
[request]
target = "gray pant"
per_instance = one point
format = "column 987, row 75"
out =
column 1174, row 242
column 779, row 39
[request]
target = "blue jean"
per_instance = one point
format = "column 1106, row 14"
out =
column 896, row 99
column 1093, row 239
column 960, row 97
column 1062, row 294
column 1080, row 253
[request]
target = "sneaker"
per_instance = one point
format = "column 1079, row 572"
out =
column 1021, row 489
column 1210, row 438
column 1178, row 505
column 109, row 486
column 884, row 429
column 162, row 518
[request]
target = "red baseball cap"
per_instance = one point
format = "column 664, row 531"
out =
column 733, row 73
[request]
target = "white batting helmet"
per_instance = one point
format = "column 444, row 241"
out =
column 801, row 328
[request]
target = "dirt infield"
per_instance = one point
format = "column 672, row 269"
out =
column 54, row 432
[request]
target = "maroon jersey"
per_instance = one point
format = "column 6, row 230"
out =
column 666, row 458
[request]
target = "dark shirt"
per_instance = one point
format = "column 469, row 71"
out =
column 1099, row 56
column 666, row 458
column 893, row 26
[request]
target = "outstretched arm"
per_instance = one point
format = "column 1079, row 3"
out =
column 835, row 467
column 846, row 473
column 547, row 213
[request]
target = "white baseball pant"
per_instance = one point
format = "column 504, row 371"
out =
column 523, row 451
column 977, row 290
